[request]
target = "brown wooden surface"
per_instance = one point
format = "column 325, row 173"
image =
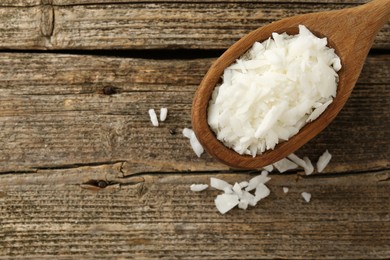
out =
column 157, row 216
column 74, row 120
column 147, row 25
column 54, row 114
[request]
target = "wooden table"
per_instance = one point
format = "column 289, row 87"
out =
column 85, row 174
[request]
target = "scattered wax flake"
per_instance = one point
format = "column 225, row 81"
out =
column 306, row 196
column 199, row 187
column 269, row 168
column 323, row 161
column 163, row 114
column 219, row 184
column 261, row 192
column 153, row 117
column 285, row 165
column 255, row 181
column 195, row 145
column 226, row 202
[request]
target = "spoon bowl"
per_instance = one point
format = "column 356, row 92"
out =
column 351, row 32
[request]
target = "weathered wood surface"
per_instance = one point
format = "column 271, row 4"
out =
column 133, row 25
column 53, row 113
column 70, row 124
column 157, row 216
column 10, row 3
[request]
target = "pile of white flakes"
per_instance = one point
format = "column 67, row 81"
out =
column 244, row 194
column 273, row 90
column 238, row 194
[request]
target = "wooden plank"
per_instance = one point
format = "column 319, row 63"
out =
column 10, row 3
column 157, row 216
column 207, row 25
column 54, row 113
column 88, row 2
column 21, row 28
column 200, row 26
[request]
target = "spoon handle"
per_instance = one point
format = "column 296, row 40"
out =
column 376, row 12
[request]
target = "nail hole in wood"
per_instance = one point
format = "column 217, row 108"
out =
column 97, row 183
column 109, row 90
column 172, row 131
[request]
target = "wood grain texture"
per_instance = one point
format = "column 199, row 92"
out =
column 84, row 175
column 89, row 2
column 10, row 3
column 143, row 25
column 22, row 3
column 49, row 214
column 54, row 113
column 21, row 27
column 200, row 26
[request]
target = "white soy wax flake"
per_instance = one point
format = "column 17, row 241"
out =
column 243, row 204
column 305, row 163
column 220, row 184
column 163, row 114
column 187, row 132
column 261, row 192
column 195, row 145
column 309, row 166
column 318, row 111
column 226, row 202
column 323, row 161
column 285, row 165
column 198, row 187
column 294, row 158
column 249, row 198
column 237, row 189
column 255, row 181
column 243, row 184
column 153, row 117
column 306, row 196
column 228, row 190
column 269, row 168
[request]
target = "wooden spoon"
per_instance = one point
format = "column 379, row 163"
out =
column 350, row 32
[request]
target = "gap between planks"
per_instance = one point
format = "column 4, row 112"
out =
column 122, row 174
